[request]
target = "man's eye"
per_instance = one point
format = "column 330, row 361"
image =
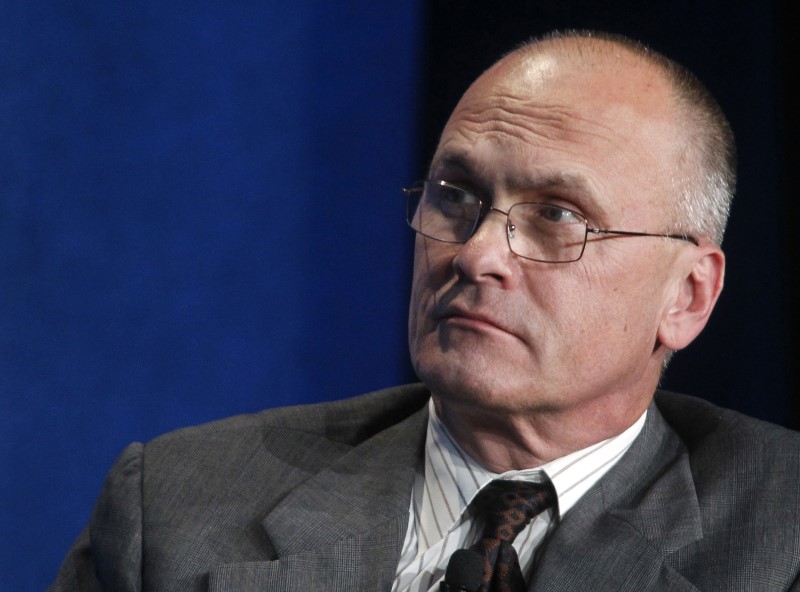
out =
column 454, row 196
column 556, row 214
column 454, row 203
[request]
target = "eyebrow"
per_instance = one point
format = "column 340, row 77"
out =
column 451, row 160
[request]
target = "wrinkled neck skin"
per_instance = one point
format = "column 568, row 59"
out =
column 502, row 441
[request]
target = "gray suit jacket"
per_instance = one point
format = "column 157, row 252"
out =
column 315, row 498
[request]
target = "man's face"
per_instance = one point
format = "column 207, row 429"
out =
column 499, row 333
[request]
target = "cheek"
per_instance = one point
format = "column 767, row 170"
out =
column 623, row 307
column 432, row 270
column 417, row 307
column 598, row 298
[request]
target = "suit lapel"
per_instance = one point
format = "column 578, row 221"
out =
column 618, row 535
column 344, row 528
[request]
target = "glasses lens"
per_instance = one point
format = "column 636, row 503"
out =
column 544, row 232
column 443, row 212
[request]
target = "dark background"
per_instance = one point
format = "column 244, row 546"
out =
column 744, row 53
column 201, row 215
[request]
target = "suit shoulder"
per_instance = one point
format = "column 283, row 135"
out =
column 270, row 451
column 727, row 437
column 745, row 474
column 346, row 421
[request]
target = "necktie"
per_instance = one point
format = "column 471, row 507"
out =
column 507, row 507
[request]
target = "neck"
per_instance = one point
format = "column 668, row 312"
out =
column 503, row 440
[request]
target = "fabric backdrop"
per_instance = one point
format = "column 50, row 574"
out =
column 201, row 216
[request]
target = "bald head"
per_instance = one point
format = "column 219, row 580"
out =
column 616, row 72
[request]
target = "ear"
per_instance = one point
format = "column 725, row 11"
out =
column 699, row 284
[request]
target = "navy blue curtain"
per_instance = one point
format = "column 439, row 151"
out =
column 201, row 215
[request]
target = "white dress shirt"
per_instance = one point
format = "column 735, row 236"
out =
column 439, row 523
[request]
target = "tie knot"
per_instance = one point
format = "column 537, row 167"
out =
column 507, row 507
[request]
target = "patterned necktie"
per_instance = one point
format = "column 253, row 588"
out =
column 507, row 507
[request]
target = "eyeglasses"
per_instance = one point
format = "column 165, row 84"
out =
column 536, row 231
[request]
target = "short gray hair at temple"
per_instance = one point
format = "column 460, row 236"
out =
column 705, row 179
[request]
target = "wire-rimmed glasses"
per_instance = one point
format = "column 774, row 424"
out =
column 537, row 231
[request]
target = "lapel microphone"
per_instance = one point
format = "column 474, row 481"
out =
column 464, row 572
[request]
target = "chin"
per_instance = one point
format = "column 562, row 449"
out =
column 474, row 373
column 464, row 385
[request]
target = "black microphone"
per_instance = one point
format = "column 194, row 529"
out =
column 464, row 572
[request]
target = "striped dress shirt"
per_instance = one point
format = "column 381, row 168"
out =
column 439, row 522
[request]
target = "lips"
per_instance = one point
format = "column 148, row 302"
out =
column 462, row 315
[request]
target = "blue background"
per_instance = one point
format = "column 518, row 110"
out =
column 200, row 215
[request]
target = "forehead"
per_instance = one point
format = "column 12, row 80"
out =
column 557, row 117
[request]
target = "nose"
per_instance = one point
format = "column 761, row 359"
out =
column 486, row 256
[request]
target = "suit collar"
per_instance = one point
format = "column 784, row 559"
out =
column 369, row 485
column 615, row 538
column 344, row 527
column 618, row 535
column 654, row 490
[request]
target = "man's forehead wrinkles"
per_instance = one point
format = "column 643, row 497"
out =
column 528, row 121
column 514, row 113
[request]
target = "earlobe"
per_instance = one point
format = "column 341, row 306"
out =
column 695, row 296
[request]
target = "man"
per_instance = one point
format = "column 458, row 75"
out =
column 568, row 243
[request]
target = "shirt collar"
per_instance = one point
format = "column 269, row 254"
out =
column 452, row 477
